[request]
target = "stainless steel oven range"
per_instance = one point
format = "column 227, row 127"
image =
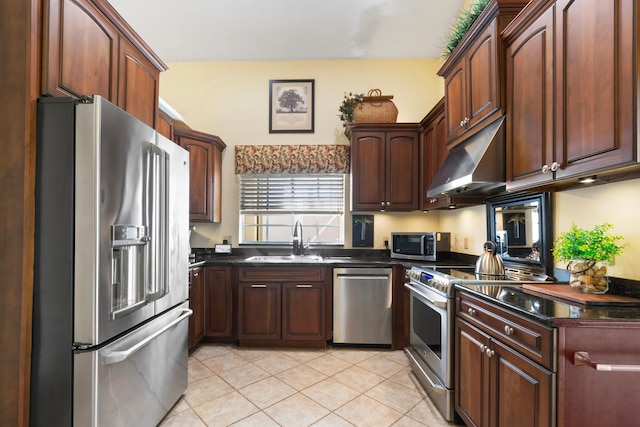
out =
column 432, row 308
column 432, row 305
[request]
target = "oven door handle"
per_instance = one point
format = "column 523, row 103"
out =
column 439, row 304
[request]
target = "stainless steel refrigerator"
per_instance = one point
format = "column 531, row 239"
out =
column 110, row 312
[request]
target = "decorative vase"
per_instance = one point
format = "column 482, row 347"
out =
column 589, row 276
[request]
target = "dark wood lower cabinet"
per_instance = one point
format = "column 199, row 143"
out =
column 472, row 375
column 259, row 311
column 497, row 386
column 496, row 382
column 283, row 307
column 303, row 308
column 522, row 389
column 218, row 302
column 211, row 299
column 591, row 397
column 196, row 303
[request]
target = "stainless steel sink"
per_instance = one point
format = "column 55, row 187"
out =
column 284, row 258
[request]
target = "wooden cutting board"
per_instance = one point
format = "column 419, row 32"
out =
column 568, row 293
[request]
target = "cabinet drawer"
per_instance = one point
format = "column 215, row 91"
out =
column 530, row 338
column 283, row 273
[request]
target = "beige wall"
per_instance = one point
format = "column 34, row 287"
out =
column 617, row 203
column 231, row 101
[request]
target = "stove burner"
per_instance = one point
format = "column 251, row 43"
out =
column 442, row 278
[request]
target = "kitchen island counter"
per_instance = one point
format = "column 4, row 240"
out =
column 552, row 311
column 593, row 348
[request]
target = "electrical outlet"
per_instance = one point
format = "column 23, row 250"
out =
column 466, row 243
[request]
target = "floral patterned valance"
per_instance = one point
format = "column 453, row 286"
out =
column 293, row 159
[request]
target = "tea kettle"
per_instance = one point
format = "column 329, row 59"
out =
column 489, row 265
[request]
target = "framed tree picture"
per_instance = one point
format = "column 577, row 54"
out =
column 516, row 228
column 291, row 106
column 362, row 231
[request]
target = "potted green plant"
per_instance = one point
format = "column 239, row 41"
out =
column 586, row 252
column 462, row 25
column 349, row 103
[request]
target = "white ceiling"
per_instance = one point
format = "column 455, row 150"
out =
column 274, row 30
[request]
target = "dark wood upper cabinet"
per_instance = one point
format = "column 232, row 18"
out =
column 433, row 150
column 530, row 102
column 138, row 84
column 165, row 125
column 205, row 173
column 89, row 49
column 474, row 73
column 570, row 90
column 385, row 168
column 80, row 51
column 595, row 83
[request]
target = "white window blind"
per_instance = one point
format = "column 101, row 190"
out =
column 292, row 193
column 270, row 205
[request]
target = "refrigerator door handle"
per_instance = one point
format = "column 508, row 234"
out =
column 156, row 218
column 119, row 356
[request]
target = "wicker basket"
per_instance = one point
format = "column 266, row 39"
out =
column 375, row 108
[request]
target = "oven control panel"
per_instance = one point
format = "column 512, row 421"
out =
column 428, row 278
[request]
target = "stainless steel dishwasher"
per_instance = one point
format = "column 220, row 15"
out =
column 362, row 306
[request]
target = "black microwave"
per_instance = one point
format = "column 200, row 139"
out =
column 422, row 246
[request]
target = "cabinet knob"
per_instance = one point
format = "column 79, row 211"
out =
column 508, row 330
column 461, row 123
column 382, row 204
column 471, row 312
column 388, row 203
column 489, row 352
column 483, row 348
column 554, row 167
column 466, row 121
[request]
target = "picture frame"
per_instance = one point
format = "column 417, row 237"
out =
column 515, row 224
column 291, row 106
column 362, row 231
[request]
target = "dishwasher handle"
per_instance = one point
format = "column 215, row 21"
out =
column 363, row 276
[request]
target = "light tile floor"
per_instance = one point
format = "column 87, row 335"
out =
column 236, row 386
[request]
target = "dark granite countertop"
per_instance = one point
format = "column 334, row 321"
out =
column 549, row 310
column 326, row 261
column 330, row 257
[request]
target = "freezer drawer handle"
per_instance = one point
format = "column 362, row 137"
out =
column 582, row 358
column 119, row 356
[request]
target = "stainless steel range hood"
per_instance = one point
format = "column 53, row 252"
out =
column 474, row 167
